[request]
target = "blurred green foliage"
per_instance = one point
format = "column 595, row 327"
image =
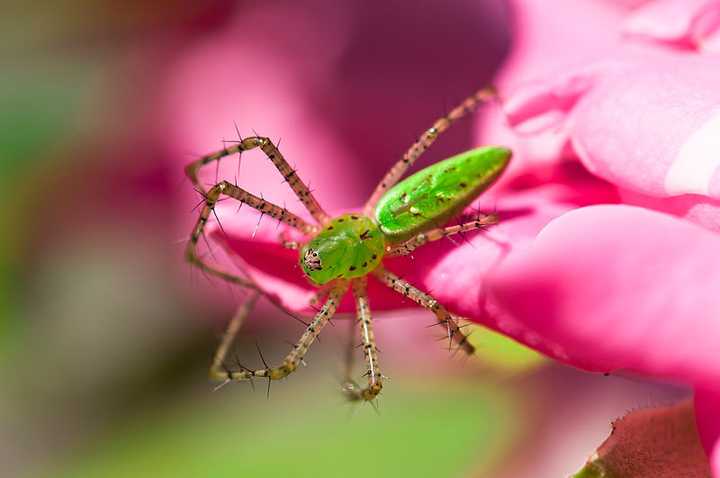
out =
column 443, row 429
column 40, row 110
column 503, row 353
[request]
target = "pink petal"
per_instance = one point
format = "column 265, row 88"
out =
column 695, row 208
column 707, row 410
column 648, row 122
column 685, row 24
column 620, row 288
column 588, row 30
column 654, row 126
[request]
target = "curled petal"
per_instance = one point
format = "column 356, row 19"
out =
column 588, row 31
column 684, row 24
column 654, row 126
column 620, row 288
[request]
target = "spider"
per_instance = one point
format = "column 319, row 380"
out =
column 337, row 254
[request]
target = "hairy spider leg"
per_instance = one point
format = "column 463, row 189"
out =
column 367, row 335
column 436, row 234
column 427, row 301
column 296, row 355
column 320, row 293
column 212, row 197
column 218, row 371
column 424, row 142
column 271, row 151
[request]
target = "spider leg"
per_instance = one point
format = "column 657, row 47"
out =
column 211, row 199
column 296, row 355
column 320, row 294
column 427, row 301
column 288, row 243
column 423, row 143
column 271, row 151
column 374, row 376
column 436, row 234
column 217, row 370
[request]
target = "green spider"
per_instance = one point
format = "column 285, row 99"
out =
column 339, row 253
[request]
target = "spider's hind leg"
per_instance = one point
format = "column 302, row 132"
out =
column 300, row 189
column 296, row 355
column 455, row 334
column 218, row 371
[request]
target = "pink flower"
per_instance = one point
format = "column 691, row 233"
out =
column 618, row 287
column 603, row 109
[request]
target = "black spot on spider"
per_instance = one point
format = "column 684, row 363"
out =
column 352, row 268
column 463, row 185
column 364, row 264
column 341, row 220
column 374, row 256
column 330, row 228
column 354, row 218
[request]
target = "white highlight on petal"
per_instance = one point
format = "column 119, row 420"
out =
column 698, row 158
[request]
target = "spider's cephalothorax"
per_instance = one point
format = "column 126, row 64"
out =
column 349, row 246
column 338, row 253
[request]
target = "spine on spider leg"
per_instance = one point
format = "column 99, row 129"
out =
column 217, row 370
column 374, row 376
column 425, row 141
column 276, row 212
column 191, row 170
column 436, row 234
column 425, row 300
column 300, row 189
column 211, row 198
column 191, row 255
column 293, row 359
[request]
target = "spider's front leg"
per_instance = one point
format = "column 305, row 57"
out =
column 212, row 197
column 374, row 376
column 425, row 300
column 296, row 355
column 300, row 189
column 413, row 243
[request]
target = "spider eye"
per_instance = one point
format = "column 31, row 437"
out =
column 312, row 261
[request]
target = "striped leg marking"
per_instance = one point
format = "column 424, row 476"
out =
column 424, row 142
column 374, row 377
column 436, row 234
column 298, row 186
column 217, row 370
column 425, row 300
column 211, row 199
column 293, row 359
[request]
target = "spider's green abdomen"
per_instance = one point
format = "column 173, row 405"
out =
column 432, row 196
column 349, row 246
